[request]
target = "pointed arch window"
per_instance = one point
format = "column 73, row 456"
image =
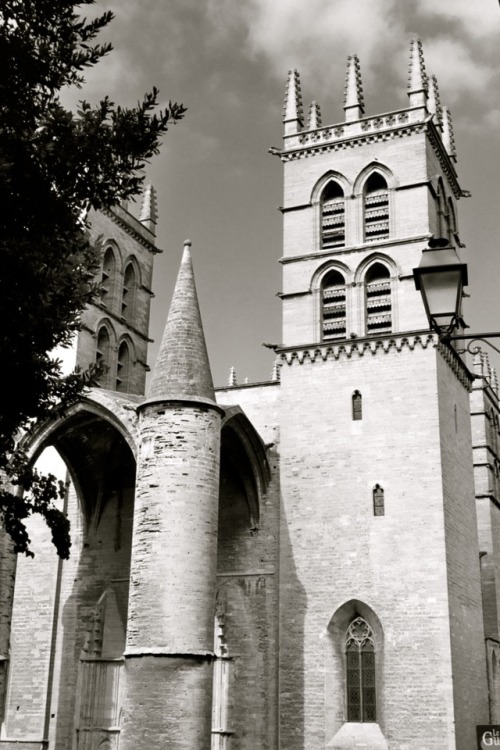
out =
column 128, row 294
column 376, row 208
column 360, row 672
column 103, row 350
column 378, row 299
column 332, row 216
column 108, row 276
column 123, row 367
column 333, row 306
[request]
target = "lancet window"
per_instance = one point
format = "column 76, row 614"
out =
column 128, row 294
column 332, row 216
column 333, row 306
column 108, row 276
column 360, row 672
column 357, row 406
column 103, row 350
column 123, row 368
column 376, row 208
column 378, row 501
column 378, row 299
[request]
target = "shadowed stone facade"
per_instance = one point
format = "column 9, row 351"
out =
column 306, row 563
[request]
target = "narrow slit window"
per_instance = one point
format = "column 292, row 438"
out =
column 332, row 217
column 378, row 501
column 360, row 672
column 357, row 406
column 376, row 208
column 333, row 306
column 378, row 299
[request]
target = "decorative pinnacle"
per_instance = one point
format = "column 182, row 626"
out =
column 293, row 113
column 354, row 105
column 149, row 210
column 275, row 375
column 434, row 101
column 232, row 377
column 314, row 120
column 418, row 83
column 448, row 136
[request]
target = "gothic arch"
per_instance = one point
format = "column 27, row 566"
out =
column 370, row 169
column 131, row 284
column 385, row 260
column 325, row 268
column 105, row 347
column 126, row 358
column 330, row 176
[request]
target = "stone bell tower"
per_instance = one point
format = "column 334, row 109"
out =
column 381, row 534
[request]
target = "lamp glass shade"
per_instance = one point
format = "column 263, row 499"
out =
column 440, row 278
column 441, row 291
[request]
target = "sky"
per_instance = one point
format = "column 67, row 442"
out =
column 227, row 61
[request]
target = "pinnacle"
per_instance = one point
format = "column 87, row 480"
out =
column 434, row 101
column 149, row 210
column 353, row 95
column 293, row 114
column 448, row 135
column 417, row 77
column 314, row 120
column 182, row 370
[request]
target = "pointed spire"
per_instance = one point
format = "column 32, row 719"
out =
column 314, row 120
column 232, row 377
column 182, row 369
column 149, row 210
column 293, row 114
column 448, row 136
column 354, row 105
column 434, row 101
column 417, row 77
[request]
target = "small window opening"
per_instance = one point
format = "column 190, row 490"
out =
column 333, row 303
column 378, row 501
column 128, row 294
column 107, row 277
column 102, row 353
column 357, row 406
column 123, row 367
column 332, row 216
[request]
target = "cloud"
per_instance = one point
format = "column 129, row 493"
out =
column 452, row 60
column 477, row 18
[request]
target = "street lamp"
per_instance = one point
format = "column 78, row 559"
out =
column 440, row 278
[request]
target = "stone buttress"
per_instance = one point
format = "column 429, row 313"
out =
column 169, row 652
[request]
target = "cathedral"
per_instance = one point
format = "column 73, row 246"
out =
column 307, row 563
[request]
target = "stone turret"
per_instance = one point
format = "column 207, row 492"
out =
column 174, row 553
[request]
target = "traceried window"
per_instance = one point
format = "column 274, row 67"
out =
column 128, row 294
column 378, row 299
column 332, row 216
column 333, row 306
column 123, row 368
column 360, row 672
column 376, row 208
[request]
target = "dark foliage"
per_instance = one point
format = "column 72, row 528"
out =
column 54, row 166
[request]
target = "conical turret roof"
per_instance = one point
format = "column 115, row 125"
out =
column 182, row 370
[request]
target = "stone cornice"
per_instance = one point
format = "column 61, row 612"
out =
column 374, row 345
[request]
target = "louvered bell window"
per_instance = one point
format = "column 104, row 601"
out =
column 107, row 278
column 360, row 672
column 333, row 302
column 376, row 208
column 378, row 299
column 332, row 217
column 123, row 367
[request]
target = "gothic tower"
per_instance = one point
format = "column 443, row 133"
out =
column 381, row 619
